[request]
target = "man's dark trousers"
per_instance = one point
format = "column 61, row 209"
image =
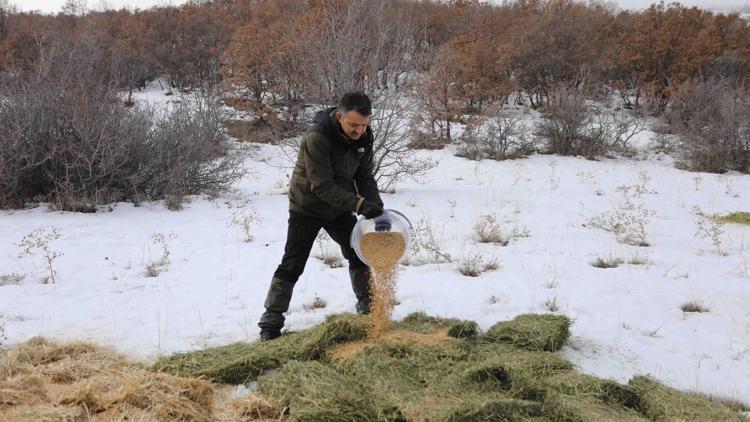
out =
column 301, row 235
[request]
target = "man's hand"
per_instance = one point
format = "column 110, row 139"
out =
column 370, row 209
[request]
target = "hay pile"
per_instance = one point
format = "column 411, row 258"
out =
column 242, row 362
column 428, row 368
column 532, row 332
column 41, row 380
column 424, row 368
column 659, row 402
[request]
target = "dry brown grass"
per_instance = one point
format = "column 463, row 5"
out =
column 41, row 380
column 249, row 408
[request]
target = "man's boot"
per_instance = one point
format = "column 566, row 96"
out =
column 361, row 286
column 277, row 302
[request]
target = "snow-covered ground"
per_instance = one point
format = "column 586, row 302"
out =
column 627, row 319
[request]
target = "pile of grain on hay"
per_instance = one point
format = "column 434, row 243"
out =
column 382, row 250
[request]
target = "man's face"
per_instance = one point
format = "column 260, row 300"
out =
column 352, row 123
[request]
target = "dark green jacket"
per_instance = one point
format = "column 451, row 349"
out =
column 332, row 171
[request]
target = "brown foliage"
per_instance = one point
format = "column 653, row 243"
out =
column 671, row 44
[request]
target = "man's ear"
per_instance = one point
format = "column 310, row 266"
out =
column 338, row 116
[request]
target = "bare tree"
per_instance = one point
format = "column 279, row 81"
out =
column 75, row 7
column 394, row 159
column 384, row 70
column 5, row 10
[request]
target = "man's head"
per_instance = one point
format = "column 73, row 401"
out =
column 353, row 114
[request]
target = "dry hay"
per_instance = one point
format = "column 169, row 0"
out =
column 41, row 380
column 587, row 386
column 248, row 408
column 490, row 408
column 532, row 332
column 463, row 329
column 659, row 402
column 312, row 391
column 418, row 372
column 382, row 250
column 560, row 407
column 242, row 362
column 233, row 364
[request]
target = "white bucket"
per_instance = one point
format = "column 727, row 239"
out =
column 389, row 221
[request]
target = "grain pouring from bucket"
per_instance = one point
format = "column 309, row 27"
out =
column 381, row 243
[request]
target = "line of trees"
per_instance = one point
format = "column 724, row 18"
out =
column 310, row 50
column 439, row 63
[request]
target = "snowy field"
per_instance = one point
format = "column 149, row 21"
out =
column 211, row 283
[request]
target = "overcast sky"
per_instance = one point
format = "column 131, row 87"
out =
column 53, row 6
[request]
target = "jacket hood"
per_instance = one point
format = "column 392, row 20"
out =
column 325, row 123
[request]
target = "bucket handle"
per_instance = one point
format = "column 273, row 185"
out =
column 402, row 215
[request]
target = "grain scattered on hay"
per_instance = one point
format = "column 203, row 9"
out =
column 532, row 332
column 348, row 350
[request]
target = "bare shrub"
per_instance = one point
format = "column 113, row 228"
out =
column 474, row 264
column 628, row 225
column 3, row 336
column 710, row 227
column 637, row 259
column 12, row 278
column 246, row 221
column 39, row 240
column 694, row 306
column 156, row 267
column 317, row 303
column 570, row 126
column 66, row 137
column 329, row 254
column 427, row 245
column 608, row 262
column 502, row 135
column 488, row 230
column 506, row 137
column 712, row 119
column 551, row 304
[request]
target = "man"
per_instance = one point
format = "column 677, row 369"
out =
column 331, row 181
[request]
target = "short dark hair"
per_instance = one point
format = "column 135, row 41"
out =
column 356, row 101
